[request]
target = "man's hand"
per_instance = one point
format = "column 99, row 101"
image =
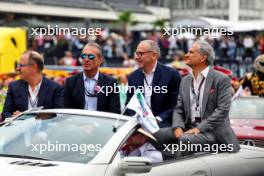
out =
column 178, row 132
column 16, row 113
column 194, row 131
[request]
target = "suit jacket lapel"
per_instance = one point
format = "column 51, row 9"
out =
column 157, row 75
column 156, row 80
column 80, row 89
column 100, row 96
column 186, row 94
column 140, row 79
column 44, row 88
column 24, row 95
column 208, row 85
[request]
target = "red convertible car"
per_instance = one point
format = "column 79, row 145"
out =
column 247, row 120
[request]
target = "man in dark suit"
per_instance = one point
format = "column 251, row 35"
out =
column 88, row 89
column 33, row 89
column 159, row 83
column 201, row 114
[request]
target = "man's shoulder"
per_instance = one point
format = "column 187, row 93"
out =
column 74, row 77
column 168, row 72
column 187, row 77
column 135, row 73
column 163, row 68
column 17, row 84
column 219, row 75
column 107, row 78
column 167, row 69
column 51, row 83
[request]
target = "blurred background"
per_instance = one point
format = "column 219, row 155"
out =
column 124, row 23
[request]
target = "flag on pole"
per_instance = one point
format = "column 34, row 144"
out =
column 239, row 93
column 146, row 118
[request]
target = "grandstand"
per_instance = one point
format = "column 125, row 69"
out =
column 107, row 5
column 98, row 13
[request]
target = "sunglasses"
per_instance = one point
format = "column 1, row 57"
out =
column 89, row 56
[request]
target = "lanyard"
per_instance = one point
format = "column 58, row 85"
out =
column 145, row 79
column 197, row 97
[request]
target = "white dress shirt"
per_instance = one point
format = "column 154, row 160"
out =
column 33, row 96
column 89, row 85
column 148, row 85
column 196, row 84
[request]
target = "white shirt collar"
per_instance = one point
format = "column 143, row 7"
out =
column 153, row 70
column 36, row 90
column 96, row 76
column 203, row 73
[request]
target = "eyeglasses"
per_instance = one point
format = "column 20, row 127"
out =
column 90, row 56
column 19, row 65
column 139, row 54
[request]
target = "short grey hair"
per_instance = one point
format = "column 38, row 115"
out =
column 96, row 45
column 206, row 49
column 153, row 46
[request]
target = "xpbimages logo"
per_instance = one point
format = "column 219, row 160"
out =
column 189, row 147
column 131, row 89
column 198, row 31
column 56, row 30
column 83, row 149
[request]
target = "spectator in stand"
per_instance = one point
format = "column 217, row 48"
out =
column 68, row 60
column 261, row 44
column 248, row 45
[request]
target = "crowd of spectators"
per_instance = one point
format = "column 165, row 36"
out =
column 118, row 49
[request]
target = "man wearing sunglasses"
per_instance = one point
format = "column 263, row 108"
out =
column 160, row 83
column 86, row 90
column 33, row 89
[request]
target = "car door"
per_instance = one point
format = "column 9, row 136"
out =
column 243, row 163
column 190, row 166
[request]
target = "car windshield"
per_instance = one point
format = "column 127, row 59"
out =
column 56, row 137
column 247, row 108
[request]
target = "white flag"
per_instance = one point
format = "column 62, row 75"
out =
column 239, row 93
column 146, row 118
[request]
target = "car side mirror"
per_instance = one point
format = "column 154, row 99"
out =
column 135, row 165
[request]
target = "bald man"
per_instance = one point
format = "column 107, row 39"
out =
column 159, row 83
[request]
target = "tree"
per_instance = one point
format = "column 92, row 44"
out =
column 159, row 24
column 125, row 19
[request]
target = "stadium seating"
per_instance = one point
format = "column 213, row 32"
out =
column 117, row 5
column 89, row 4
column 127, row 5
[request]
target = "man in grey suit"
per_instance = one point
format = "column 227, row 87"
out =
column 201, row 113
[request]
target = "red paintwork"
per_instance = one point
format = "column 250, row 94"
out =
column 248, row 128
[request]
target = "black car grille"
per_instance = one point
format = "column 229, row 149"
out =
column 29, row 163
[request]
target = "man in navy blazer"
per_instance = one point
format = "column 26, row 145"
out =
column 88, row 89
column 33, row 89
column 160, row 83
